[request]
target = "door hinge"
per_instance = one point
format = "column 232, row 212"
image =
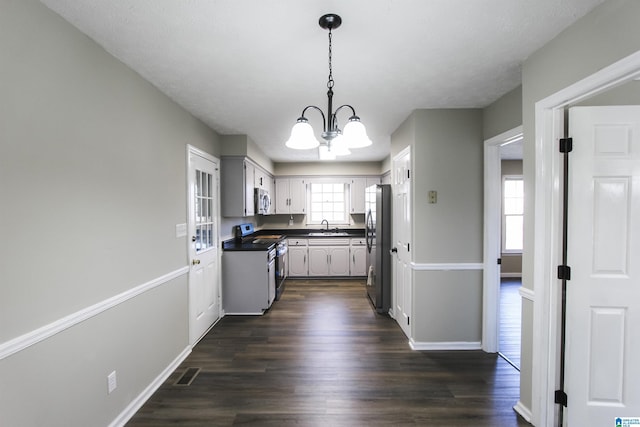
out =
column 566, row 145
column 499, row 261
column 561, row 398
column 564, row 272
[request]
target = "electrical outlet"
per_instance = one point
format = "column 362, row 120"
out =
column 111, row 382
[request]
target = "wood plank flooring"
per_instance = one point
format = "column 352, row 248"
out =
column 321, row 356
column 510, row 319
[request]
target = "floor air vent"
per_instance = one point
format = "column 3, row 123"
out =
column 187, row 377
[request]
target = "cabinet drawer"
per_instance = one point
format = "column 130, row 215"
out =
column 361, row 241
column 297, row 242
column 328, row 242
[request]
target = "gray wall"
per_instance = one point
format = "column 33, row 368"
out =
column 446, row 157
column 503, row 115
column 607, row 34
column 92, row 181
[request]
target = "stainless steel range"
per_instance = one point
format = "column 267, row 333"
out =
column 281, row 258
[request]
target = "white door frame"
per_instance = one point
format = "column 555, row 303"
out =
column 549, row 127
column 193, row 340
column 492, row 237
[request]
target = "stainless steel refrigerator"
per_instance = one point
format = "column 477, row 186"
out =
column 378, row 236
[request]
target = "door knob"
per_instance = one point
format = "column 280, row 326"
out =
column 195, row 261
column 394, row 250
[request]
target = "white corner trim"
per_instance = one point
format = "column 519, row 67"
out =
column 449, row 266
column 140, row 400
column 527, row 293
column 37, row 335
column 523, row 411
column 453, row 345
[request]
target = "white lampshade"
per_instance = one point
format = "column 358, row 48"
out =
column 338, row 146
column 355, row 134
column 302, row 137
column 325, row 154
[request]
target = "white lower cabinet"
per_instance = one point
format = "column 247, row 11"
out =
column 298, row 258
column 329, row 257
column 358, row 257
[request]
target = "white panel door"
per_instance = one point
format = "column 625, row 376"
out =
column 402, row 237
column 603, row 295
column 204, row 256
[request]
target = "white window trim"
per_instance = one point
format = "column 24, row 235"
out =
column 347, row 202
column 502, row 218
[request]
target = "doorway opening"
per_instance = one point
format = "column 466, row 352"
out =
column 502, row 268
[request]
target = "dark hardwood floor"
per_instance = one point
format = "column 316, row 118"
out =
column 322, row 357
column 510, row 319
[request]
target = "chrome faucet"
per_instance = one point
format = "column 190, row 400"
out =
column 323, row 221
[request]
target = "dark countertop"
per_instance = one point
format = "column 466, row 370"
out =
column 232, row 245
column 303, row 233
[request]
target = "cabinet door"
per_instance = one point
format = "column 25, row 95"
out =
column 298, row 266
column 358, row 261
column 249, row 198
column 258, row 178
column 357, row 194
column 297, row 196
column 318, row 261
column 339, row 261
column 282, row 196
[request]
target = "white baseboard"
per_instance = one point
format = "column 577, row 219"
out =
column 453, row 345
column 523, row 411
column 511, row 275
column 140, row 400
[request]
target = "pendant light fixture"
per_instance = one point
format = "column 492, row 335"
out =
column 335, row 141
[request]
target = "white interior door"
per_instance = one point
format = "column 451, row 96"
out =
column 603, row 295
column 204, row 255
column 402, row 237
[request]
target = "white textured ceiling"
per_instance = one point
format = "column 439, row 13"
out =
column 251, row 66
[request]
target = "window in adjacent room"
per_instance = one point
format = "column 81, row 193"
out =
column 328, row 201
column 512, row 214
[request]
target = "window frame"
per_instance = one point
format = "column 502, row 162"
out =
column 503, row 218
column 347, row 201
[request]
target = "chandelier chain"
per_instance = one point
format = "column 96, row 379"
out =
column 330, row 82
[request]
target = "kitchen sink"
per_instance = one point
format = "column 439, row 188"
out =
column 328, row 234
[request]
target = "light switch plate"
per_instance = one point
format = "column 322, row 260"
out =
column 181, row 230
column 433, row 196
column 111, row 382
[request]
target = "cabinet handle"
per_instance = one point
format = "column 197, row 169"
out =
column 354, row 258
column 304, row 259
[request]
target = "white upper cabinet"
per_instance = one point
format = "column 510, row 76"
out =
column 357, row 187
column 291, row 196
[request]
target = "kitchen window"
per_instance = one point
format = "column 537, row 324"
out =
column 328, row 201
column 512, row 214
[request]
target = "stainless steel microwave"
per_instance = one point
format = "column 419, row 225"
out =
column 263, row 202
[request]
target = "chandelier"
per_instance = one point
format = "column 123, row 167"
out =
column 335, row 142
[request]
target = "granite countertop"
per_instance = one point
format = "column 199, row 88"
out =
column 233, row 245
column 303, row 233
column 313, row 233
